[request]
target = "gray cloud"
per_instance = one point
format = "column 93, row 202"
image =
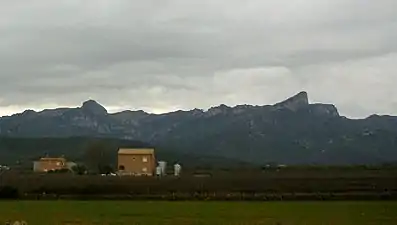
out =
column 178, row 54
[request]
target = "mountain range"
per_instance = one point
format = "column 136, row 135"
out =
column 293, row 131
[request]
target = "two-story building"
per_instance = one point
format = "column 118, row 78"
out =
column 136, row 162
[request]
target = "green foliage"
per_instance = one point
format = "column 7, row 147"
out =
column 99, row 156
column 79, row 169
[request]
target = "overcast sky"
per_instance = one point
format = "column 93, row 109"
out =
column 181, row 54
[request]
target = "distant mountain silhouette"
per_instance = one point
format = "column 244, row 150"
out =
column 292, row 131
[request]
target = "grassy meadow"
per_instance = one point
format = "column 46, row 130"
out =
column 185, row 213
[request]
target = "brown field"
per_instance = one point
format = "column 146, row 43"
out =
column 320, row 184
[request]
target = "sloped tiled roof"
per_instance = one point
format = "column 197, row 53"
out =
column 136, row 151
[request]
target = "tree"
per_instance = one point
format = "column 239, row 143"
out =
column 105, row 169
column 98, row 157
column 79, row 169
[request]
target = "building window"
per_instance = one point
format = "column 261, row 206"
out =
column 144, row 159
column 58, row 163
column 121, row 167
column 144, row 169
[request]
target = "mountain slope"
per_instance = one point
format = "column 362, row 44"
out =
column 293, row 131
column 25, row 150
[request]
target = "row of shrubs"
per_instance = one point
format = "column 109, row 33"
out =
column 217, row 197
column 125, row 185
column 90, row 193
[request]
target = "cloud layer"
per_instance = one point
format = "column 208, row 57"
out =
column 180, row 54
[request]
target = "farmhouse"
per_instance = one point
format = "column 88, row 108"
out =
column 47, row 164
column 136, row 162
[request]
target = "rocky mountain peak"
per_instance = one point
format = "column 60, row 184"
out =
column 94, row 107
column 130, row 115
column 221, row 109
column 29, row 111
column 295, row 102
column 196, row 111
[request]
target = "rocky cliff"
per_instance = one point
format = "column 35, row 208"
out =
column 292, row 131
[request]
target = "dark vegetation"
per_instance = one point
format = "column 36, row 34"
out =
column 93, row 153
column 9, row 192
column 298, row 183
column 217, row 180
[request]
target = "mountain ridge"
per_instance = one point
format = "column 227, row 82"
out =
column 281, row 104
column 290, row 131
column 90, row 103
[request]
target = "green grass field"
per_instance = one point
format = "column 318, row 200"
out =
column 184, row 213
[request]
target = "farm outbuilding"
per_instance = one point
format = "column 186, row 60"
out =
column 49, row 164
column 136, row 162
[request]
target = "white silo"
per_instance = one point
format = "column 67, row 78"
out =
column 158, row 171
column 177, row 169
column 36, row 166
column 163, row 166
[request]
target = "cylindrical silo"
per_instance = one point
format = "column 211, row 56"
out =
column 163, row 166
column 158, row 171
column 177, row 169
